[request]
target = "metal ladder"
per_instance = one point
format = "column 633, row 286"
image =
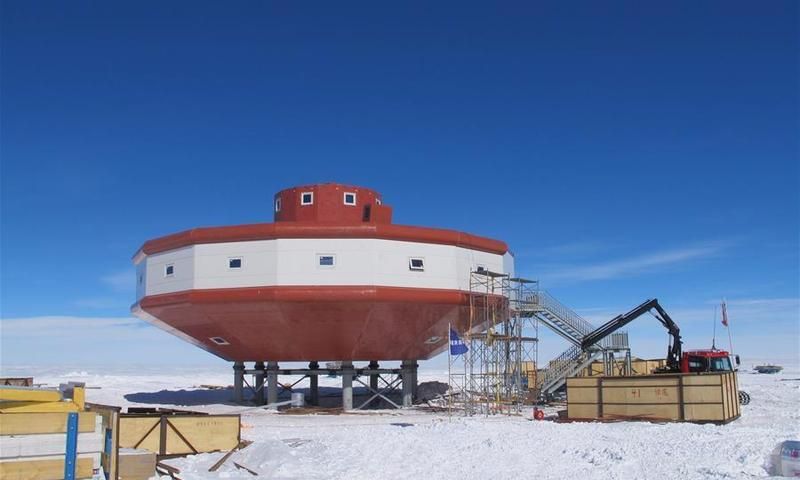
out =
column 565, row 322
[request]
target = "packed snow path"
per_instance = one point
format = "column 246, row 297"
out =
column 416, row 445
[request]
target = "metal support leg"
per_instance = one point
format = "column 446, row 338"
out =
column 238, row 382
column 272, row 382
column 314, row 400
column 259, row 383
column 373, row 378
column 407, row 372
column 347, row 385
column 414, row 380
column 628, row 366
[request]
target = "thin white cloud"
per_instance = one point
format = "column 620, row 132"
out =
column 90, row 341
column 634, row 265
column 99, row 303
column 763, row 311
column 63, row 326
column 123, row 281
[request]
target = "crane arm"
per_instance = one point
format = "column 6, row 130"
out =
column 674, row 350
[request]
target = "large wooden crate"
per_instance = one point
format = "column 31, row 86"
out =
column 168, row 435
column 707, row 397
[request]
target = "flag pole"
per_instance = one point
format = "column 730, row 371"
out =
column 449, row 375
column 714, row 336
column 727, row 324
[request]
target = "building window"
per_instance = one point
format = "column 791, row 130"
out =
column 278, row 204
column 326, row 260
column 481, row 268
column 235, row 262
column 141, row 279
column 169, row 270
column 417, row 264
column 219, row 340
column 307, row 198
column 377, row 201
column 349, row 198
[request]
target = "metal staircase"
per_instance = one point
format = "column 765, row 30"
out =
column 568, row 324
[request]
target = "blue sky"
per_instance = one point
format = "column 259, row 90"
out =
column 624, row 150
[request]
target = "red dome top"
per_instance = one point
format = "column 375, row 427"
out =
column 330, row 203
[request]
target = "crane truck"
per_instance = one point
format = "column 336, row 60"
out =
column 677, row 361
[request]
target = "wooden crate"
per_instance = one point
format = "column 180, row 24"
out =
column 707, row 397
column 17, row 381
column 179, row 434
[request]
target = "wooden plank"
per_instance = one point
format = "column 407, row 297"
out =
column 27, row 423
column 703, row 394
column 29, row 394
column 37, row 407
column 582, row 412
column 12, row 446
column 710, row 379
column 581, row 382
column 205, row 433
column 640, row 394
column 51, row 469
column 136, row 464
column 641, row 381
column 653, row 412
column 704, row 412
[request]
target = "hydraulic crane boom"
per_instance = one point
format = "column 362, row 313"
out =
column 674, row 349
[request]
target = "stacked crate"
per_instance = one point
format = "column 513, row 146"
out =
column 47, row 434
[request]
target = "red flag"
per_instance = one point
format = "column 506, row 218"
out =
column 724, row 314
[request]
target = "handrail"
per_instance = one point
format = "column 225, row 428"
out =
column 564, row 313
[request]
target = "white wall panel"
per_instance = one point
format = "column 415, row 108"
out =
column 295, row 262
column 184, row 273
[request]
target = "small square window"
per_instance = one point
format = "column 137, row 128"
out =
column 349, row 198
column 416, row 264
column 307, row 198
column 235, row 263
column 326, row 260
column 169, row 270
column 481, row 269
column 219, row 340
column 278, row 204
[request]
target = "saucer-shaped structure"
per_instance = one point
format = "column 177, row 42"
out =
column 331, row 279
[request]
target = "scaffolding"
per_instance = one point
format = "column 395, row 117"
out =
column 494, row 374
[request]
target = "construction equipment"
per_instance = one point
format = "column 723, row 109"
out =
column 693, row 361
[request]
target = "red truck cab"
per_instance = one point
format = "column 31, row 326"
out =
column 707, row 361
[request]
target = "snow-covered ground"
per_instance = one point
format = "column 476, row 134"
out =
column 415, row 444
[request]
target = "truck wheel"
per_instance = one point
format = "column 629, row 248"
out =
column 744, row 398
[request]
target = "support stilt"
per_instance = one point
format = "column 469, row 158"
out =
column 314, row 400
column 272, row 382
column 373, row 378
column 238, row 382
column 407, row 372
column 347, row 385
column 259, row 383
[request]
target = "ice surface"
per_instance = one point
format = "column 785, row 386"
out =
column 419, row 445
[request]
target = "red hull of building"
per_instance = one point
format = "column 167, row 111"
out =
column 316, row 323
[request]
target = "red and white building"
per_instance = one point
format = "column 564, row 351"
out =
column 331, row 279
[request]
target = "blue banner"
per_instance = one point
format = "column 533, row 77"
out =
column 457, row 346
